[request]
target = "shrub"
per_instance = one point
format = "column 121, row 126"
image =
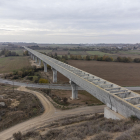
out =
column 35, row 79
column 137, row 60
column 17, row 136
column 102, row 136
column 65, row 100
column 134, row 118
column 15, row 77
column 30, row 78
column 43, row 80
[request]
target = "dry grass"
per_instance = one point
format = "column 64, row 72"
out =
column 8, row 64
column 19, row 106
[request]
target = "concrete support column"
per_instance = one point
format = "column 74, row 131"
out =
column 31, row 56
column 45, row 67
column 74, row 90
column 35, row 59
column 54, row 75
column 39, row 62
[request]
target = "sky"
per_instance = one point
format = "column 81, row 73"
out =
column 70, row 21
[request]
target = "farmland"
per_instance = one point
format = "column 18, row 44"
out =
column 8, row 64
column 45, row 51
column 97, row 53
column 123, row 74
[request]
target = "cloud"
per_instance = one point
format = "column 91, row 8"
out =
column 75, row 19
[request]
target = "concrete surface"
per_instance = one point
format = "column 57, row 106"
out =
column 110, row 114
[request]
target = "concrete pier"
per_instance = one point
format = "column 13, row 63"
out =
column 35, row 59
column 110, row 114
column 31, row 56
column 74, row 90
column 39, row 62
column 45, row 67
column 54, row 75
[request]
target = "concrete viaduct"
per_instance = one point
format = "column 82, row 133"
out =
column 121, row 102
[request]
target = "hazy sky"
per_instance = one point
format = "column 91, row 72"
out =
column 70, row 21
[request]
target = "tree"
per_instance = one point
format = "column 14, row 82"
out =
column 87, row 57
column 25, row 53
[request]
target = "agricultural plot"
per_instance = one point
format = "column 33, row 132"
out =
column 20, row 52
column 45, row 51
column 78, row 52
column 97, row 53
column 123, row 74
column 8, row 64
column 60, row 52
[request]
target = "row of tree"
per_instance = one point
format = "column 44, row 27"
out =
column 7, row 53
column 95, row 57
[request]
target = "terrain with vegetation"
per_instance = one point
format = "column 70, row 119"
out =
column 17, row 106
column 59, row 117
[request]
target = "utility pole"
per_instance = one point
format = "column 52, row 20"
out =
column 13, row 86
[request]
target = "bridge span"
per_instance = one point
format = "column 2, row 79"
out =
column 121, row 102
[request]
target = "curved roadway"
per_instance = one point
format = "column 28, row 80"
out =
column 50, row 114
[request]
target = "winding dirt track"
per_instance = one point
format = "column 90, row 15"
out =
column 50, row 114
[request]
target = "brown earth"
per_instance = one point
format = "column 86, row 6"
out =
column 123, row 74
column 84, row 98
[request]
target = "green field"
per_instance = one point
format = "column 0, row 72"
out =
column 97, row 53
column 78, row 52
column 20, row 52
column 46, row 51
column 130, row 52
column 8, row 64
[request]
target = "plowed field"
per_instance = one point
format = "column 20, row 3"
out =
column 123, row 74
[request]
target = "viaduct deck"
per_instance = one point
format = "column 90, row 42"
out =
column 117, row 98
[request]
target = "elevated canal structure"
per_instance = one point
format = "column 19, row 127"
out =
column 120, row 101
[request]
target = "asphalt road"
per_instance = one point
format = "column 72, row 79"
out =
column 50, row 86
column 50, row 114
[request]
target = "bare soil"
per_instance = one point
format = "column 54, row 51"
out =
column 84, row 98
column 123, row 74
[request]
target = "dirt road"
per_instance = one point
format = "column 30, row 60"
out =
column 50, row 114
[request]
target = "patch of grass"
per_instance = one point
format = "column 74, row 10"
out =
column 45, row 51
column 8, row 64
column 98, row 53
column 77, row 52
column 20, row 52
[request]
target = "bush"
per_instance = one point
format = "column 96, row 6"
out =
column 124, row 59
column 43, row 80
column 134, row 118
column 15, row 77
column 65, row 100
column 35, row 79
column 30, row 78
column 17, row 136
column 137, row 60
column 102, row 136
